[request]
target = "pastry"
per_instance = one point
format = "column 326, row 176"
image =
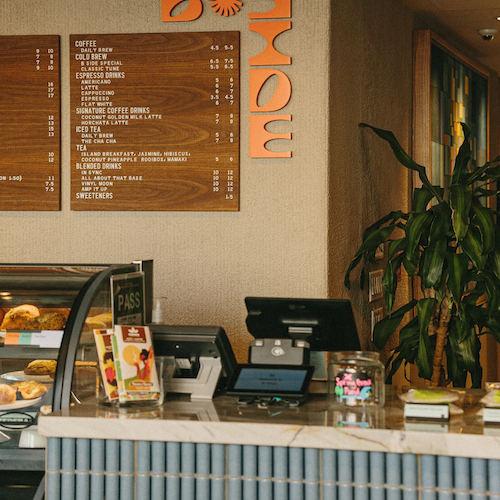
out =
column 46, row 321
column 15, row 318
column 30, row 389
column 41, row 367
column 99, row 321
column 8, row 394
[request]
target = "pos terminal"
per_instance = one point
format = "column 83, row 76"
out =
column 286, row 330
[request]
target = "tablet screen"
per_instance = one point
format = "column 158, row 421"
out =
column 271, row 380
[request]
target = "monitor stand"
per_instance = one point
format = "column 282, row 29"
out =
column 201, row 387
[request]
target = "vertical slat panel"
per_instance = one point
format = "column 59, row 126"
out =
column 68, row 466
column 188, row 468
column 377, row 475
column 409, row 470
column 345, row 474
column 296, row 473
column 361, row 475
column 479, row 475
column 174, row 466
column 158, row 469
column 97, row 466
column 280, row 473
column 234, row 471
column 328, row 474
column 143, row 468
column 393, row 475
column 494, row 477
column 218, row 471
column 445, row 477
column 249, row 472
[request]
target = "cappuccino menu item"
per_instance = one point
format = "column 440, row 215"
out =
column 155, row 121
column 29, row 123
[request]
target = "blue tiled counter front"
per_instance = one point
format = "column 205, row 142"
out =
column 219, row 450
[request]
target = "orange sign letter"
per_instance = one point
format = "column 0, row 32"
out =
column 193, row 10
column 270, row 56
column 282, row 9
column 281, row 96
column 259, row 136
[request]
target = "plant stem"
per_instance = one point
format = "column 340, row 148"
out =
column 441, row 333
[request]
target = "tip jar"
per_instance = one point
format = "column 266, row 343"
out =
column 356, row 379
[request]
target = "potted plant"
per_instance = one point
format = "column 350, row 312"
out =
column 450, row 242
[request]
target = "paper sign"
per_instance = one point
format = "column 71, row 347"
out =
column 426, row 411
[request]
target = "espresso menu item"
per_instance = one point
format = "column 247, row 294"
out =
column 155, row 121
column 29, row 123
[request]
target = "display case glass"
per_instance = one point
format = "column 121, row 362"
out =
column 48, row 358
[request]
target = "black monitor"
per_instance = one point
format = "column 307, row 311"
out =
column 326, row 324
column 188, row 343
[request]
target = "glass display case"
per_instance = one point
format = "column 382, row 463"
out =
column 48, row 359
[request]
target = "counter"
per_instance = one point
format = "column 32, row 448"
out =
column 219, row 449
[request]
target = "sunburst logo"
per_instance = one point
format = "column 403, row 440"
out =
column 226, row 7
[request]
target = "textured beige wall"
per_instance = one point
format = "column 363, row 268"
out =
column 371, row 82
column 300, row 218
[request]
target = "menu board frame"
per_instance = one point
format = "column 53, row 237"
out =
column 155, row 121
column 30, row 117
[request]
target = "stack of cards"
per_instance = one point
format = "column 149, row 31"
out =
column 127, row 364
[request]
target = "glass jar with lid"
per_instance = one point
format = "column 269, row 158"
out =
column 356, row 379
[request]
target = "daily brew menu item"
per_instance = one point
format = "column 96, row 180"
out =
column 155, row 121
column 29, row 123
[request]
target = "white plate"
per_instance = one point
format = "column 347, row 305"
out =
column 20, row 376
column 433, row 396
column 21, row 403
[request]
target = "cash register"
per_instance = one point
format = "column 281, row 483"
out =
column 291, row 336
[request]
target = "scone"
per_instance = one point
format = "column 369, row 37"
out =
column 41, row 367
column 8, row 394
column 16, row 317
column 30, row 389
column 46, row 321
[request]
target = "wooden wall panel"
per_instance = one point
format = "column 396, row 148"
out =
column 155, row 121
column 29, row 123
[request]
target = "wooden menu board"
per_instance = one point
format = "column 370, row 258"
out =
column 155, row 121
column 29, row 123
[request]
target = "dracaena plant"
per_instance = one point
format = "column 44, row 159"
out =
column 450, row 243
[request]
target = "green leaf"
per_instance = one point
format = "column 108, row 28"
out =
column 405, row 159
column 493, row 294
column 396, row 246
column 472, row 245
column 465, row 347
column 474, row 176
column 484, row 220
column 421, row 198
column 390, row 281
column 433, row 256
column 460, row 202
column 494, row 260
column 417, row 225
column 457, row 274
column 388, row 325
column 462, row 159
column 425, row 351
column 374, row 239
column 441, row 223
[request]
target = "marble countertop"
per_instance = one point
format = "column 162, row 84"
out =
column 315, row 424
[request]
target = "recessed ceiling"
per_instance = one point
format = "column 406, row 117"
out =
column 460, row 20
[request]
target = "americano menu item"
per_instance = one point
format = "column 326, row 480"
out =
column 155, row 121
